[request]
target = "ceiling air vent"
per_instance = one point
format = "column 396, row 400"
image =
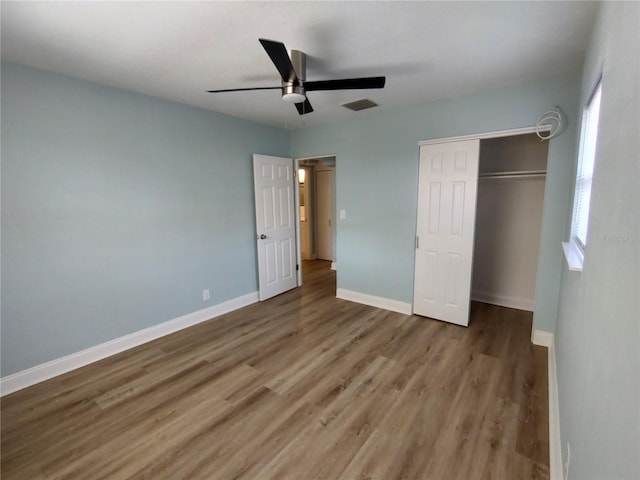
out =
column 360, row 105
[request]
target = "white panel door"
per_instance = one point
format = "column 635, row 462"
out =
column 448, row 183
column 275, row 224
column 324, row 214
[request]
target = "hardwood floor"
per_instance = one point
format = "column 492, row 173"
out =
column 302, row 386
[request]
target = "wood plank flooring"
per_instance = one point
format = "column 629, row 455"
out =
column 302, row 386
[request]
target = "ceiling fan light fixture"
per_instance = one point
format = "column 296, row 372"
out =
column 293, row 94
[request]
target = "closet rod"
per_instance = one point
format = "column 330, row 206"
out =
column 520, row 174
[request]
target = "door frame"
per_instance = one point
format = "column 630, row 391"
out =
column 296, row 166
column 478, row 136
column 486, row 135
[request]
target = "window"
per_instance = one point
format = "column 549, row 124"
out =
column 586, row 158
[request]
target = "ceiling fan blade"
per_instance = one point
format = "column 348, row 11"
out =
column 304, row 107
column 243, row 89
column 346, row 84
column 278, row 54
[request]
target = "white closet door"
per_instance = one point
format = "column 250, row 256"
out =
column 448, row 183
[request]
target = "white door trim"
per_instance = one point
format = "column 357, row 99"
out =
column 483, row 136
column 296, row 201
column 315, row 157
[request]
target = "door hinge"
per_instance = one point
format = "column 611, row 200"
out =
column 417, row 242
column 297, row 267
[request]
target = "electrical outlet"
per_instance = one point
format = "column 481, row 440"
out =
column 206, row 295
column 567, row 462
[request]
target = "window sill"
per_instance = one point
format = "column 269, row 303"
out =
column 573, row 255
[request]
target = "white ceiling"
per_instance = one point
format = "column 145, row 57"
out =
column 177, row 50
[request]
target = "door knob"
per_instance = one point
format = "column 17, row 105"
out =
column 262, row 236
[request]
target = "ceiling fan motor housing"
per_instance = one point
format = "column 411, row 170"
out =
column 293, row 93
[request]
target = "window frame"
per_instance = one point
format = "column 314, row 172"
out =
column 574, row 249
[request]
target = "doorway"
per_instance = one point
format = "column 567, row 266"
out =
column 316, row 204
column 511, row 186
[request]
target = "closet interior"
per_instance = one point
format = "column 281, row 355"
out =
column 511, row 184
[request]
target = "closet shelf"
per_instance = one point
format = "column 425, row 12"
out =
column 515, row 174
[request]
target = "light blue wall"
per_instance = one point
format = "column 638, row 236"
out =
column 377, row 170
column 598, row 334
column 117, row 211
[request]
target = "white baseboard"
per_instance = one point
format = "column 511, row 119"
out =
column 545, row 339
column 503, row 300
column 373, row 301
column 45, row 371
column 555, row 443
column 542, row 338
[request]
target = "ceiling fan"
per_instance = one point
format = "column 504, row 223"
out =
column 293, row 71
